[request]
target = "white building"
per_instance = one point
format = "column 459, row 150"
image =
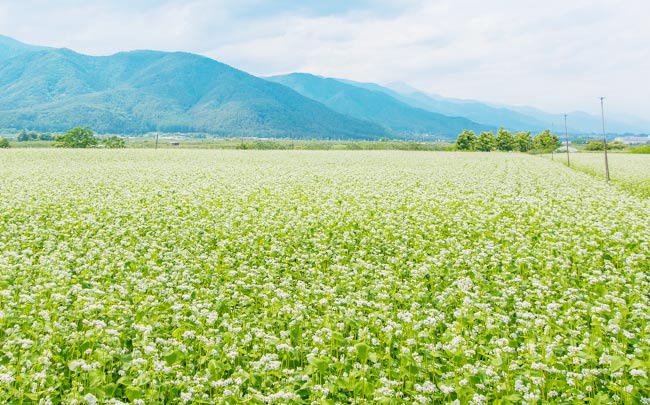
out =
column 562, row 149
column 633, row 140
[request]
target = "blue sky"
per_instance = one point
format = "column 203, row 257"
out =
column 557, row 55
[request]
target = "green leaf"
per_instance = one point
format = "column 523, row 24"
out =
column 174, row 357
column 123, row 380
column 101, row 356
column 601, row 398
column 295, row 334
column 109, row 389
column 95, row 378
column 214, row 368
column 133, row 393
column 617, row 363
column 413, row 369
column 362, row 351
column 320, row 364
column 513, row 398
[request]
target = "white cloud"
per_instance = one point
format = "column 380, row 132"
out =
column 555, row 54
column 552, row 55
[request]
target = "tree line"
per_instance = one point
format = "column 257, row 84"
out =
column 25, row 136
column 75, row 138
column 505, row 141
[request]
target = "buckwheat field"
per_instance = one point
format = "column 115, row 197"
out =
column 296, row 277
column 629, row 171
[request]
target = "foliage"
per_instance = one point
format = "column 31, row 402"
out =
column 595, row 145
column 546, row 141
column 193, row 276
column 76, row 138
column 486, row 142
column 641, row 149
column 505, row 142
column 25, row 136
column 466, row 140
column 523, row 142
column 339, row 145
column 616, row 145
column 114, row 142
column 4, row 143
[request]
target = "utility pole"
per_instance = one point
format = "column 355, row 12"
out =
column 602, row 113
column 157, row 130
column 566, row 134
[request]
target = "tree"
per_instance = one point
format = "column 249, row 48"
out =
column 4, row 143
column 616, row 145
column 45, row 137
column 76, row 138
column 598, row 145
column 594, row 146
column 466, row 140
column 114, row 142
column 23, row 136
column 505, row 140
column 486, row 142
column 523, row 142
column 546, row 141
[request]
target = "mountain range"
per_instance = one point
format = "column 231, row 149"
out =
column 142, row 91
column 48, row 89
column 376, row 106
column 511, row 117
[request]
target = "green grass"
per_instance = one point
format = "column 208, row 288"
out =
column 641, row 150
column 298, row 277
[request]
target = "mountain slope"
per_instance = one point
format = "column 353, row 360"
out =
column 582, row 122
column 376, row 106
column 141, row 91
column 9, row 48
column 514, row 118
column 473, row 110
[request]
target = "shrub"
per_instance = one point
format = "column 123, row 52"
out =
column 114, row 142
column 77, row 138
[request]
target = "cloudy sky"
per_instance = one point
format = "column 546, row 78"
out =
column 558, row 55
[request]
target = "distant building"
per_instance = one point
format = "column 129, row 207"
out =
column 633, row 140
column 562, row 149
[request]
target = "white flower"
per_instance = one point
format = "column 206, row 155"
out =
column 90, row 399
column 7, row 378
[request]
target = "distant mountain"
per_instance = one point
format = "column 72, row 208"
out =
column 141, row 91
column 581, row 122
column 514, row 118
column 49, row 89
column 377, row 106
column 9, row 48
column 473, row 110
